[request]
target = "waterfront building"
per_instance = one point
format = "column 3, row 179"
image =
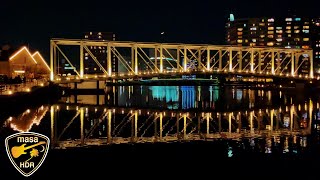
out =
column 23, row 63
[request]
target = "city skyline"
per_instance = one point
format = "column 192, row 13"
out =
column 202, row 22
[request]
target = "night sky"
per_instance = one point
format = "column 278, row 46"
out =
column 34, row 22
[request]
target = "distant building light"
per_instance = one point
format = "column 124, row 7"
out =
column 305, row 31
column 297, row 19
column 231, row 18
column 271, row 20
column 288, row 19
column 19, row 71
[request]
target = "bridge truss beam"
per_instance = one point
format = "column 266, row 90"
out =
column 136, row 58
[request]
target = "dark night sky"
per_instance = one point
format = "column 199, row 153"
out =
column 34, row 22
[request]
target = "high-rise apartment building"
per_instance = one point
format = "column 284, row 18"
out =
column 315, row 37
column 289, row 32
column 100, row 52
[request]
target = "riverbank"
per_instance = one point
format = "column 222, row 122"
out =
column 20, row 101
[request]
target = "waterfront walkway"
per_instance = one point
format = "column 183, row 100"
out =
column 9, row 89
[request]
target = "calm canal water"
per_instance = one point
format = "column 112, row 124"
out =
column 223, row 122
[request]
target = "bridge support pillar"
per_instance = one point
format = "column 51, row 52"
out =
column 311, row 75
column 310, row 116
column 292, row 64
column 134, row 127
column 160, row 126
column 291, row 117
column 208, row 59
column 82, row 126
column 230, row 119
column 219, row 121
column 252, row 61
column 185, row 57
column 240, row 123
column 109, row 137
column 184, row 126
column 272, row 62
column 251, row 123
column 230, row 60
column 53, row 127
column 208, row 124
column 81, row 60
column 271, row 120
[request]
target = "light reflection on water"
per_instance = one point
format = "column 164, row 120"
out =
column 248, row 120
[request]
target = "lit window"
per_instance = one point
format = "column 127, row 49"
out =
column 305, row 27
column 296, row 31
column 99, row 33
column 271, row 20
column 279, row 39
column 86, row 36
column 254, row 40
column 239, row 41
column 288, row 19
column 240, row 29
column 239, row 33
column 288, row 27
column 305, row 31
column 270, row 32
column 270, row 44
column 278, row 27
column 270, row 36
column 296, row 39
column 297, row 19
column 262, row 36
column 253, row 28
column 279, row 31
column 305, row 39
column 270, row 28
column 288, row 31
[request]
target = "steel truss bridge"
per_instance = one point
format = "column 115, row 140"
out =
column 100, row 125
column 147, row 59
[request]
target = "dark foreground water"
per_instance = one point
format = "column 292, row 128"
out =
column 173, row 132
